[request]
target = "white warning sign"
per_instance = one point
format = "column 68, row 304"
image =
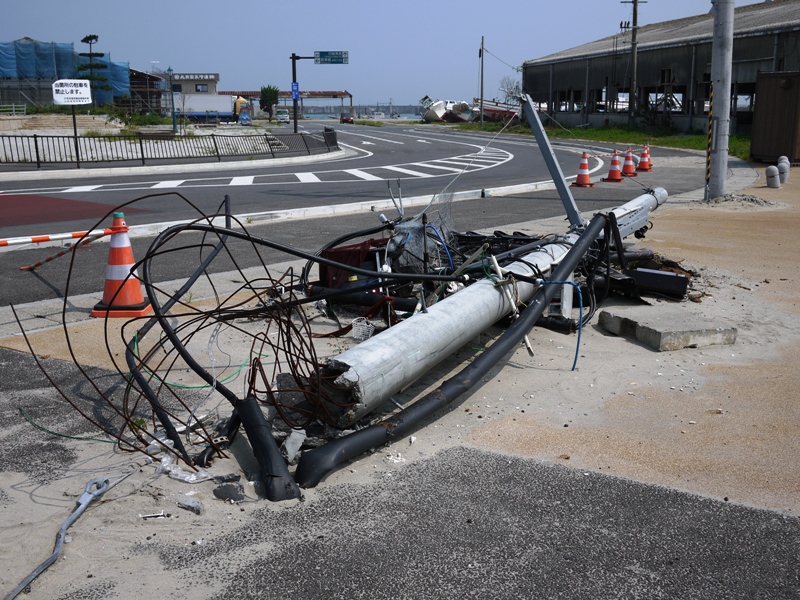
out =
column 72, row 91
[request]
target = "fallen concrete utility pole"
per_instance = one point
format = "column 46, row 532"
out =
column 376, row 369
column 318, row 462
column 367, row 375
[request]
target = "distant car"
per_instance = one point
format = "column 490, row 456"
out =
column 346, row 118
column 282, row 115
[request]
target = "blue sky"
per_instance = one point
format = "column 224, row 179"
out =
column 399, row 51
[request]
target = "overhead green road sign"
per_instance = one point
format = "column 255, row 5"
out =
column 332, row 57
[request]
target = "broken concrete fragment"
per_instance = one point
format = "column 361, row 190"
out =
column 191, row 504
column 665, row 328
column 291, row 445
column 230, row 491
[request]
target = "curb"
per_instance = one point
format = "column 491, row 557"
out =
column 182, row 168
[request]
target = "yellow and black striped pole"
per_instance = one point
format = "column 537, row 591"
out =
column 709, row 143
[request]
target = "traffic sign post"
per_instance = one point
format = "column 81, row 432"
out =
column 324, row 57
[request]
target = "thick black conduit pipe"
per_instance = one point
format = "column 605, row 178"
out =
column 527, row 248
column 130, row 354
column 318, row 462
column 365, row 298
column 278, row 482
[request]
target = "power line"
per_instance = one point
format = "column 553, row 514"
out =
column 517, row 69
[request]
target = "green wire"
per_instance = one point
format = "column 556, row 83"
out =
column 189, row 387
column 64, row 435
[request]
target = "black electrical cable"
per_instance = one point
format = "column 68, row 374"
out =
column 340, row 240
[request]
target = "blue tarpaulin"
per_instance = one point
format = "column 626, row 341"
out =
column 36, row 60
column 52, row 61
column 8, row 61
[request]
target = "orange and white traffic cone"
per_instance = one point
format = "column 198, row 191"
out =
column 614, row 175
column 583, row 179
column 122, row 293
column 628, row 168
column 644, row 162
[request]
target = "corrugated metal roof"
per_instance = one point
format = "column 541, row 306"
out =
column 765, row 17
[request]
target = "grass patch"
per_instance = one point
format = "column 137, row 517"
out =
column 369, row 123
column 738, row 145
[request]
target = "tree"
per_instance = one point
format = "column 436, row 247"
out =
column 92, row 66
column 511, row 88
column 269, row 98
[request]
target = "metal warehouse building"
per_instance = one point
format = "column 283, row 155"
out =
column 589, row 84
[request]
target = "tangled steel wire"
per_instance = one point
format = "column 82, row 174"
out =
column 210, row 338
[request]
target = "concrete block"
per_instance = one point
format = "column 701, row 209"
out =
column 665, row 328
column 191, row 504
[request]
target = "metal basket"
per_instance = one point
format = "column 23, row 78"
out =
column 362, row 328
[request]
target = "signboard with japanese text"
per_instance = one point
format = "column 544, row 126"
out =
column 72, row 91
column 331, row 57
column 295, row 90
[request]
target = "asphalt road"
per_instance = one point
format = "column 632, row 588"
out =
column 80, row 203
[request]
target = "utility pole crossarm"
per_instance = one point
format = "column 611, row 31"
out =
column 574, row 215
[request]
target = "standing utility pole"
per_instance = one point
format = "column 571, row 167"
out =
column 481, row 57
column 632, row 95
column 719, row 123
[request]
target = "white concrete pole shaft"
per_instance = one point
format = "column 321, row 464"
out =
column 385, row 364
column 721, row 67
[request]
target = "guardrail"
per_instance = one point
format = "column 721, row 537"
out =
column 13, row 109
column 141, row 147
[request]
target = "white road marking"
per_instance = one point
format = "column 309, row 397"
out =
column 440, row 167
column 464, row 162
column 307, row 178
column 82, row 188
column 363, row 175
column 242, row 180
column 169, row 184
column 372, row 137
column 408, row 171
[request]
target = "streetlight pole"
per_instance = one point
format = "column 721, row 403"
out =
column 172, row 101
